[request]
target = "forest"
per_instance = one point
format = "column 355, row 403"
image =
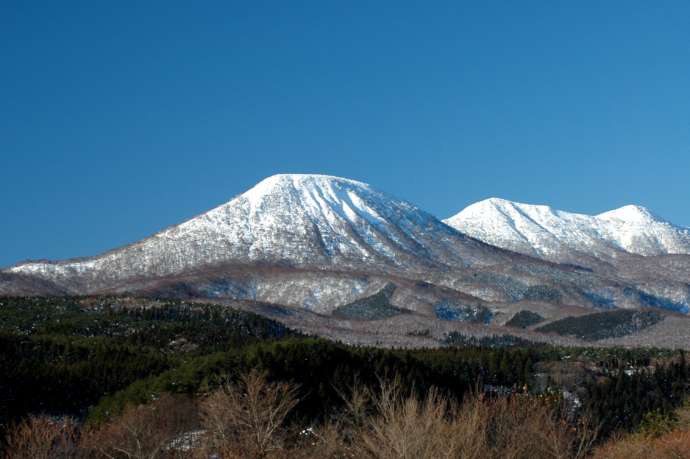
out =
column 77, row 374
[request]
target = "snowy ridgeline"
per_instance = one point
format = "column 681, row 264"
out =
column 287, row 220
column 549, row 233
column 292, row 226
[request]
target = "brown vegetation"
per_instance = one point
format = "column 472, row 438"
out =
column 41, row 437
column 673, row 445
column 247, row 419
column 662, row 437
column 433, row 427
column 143, row 432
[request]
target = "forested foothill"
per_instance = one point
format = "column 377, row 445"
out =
column 128, row 377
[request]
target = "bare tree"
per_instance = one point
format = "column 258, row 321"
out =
column 407, row 427
column 247, row 418
column 42, row 437
column 517, row 427
column 144, row 432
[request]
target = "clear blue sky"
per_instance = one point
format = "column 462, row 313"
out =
column 117, row 121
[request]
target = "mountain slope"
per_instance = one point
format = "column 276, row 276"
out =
column 563, row 236
column 319, row 243
column 286, row 220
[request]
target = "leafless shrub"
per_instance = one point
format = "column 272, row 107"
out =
column 42, row 437
column 522, row 427
column 335, row 437
column 144, row 432
column 357, row 400
column 433, row 427
column 406, row 427
column 468, row 429
column 652, row 443
column 246, row 419
column 672, row 445
column 321, row 442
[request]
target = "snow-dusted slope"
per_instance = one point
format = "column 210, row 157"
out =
column 555, row 235
column 285, row 220
column 320, row 242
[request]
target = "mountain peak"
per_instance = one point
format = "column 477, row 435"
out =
column 296, row 220
column 495, row 201
column 305, row 180
column 498, row 203
column 630, row 213
column 499, row 206
column 293, row 183
column 555, row 234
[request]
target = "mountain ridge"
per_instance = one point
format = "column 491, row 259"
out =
column 549, row 233
column 319, row 242
column 295, row 219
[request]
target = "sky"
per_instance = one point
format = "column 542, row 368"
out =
column 118, row 119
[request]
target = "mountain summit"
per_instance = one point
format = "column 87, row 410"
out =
column 555, row 235
column 293, row 220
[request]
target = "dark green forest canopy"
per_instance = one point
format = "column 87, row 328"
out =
column 160, row 324
column 606, row 324
column 89, row 357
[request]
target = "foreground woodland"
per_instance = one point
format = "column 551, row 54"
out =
column 249, row 419
column 128, row 378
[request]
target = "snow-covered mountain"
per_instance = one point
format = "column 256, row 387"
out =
column 560, row 236
column 320, row 243
column 305, row 221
